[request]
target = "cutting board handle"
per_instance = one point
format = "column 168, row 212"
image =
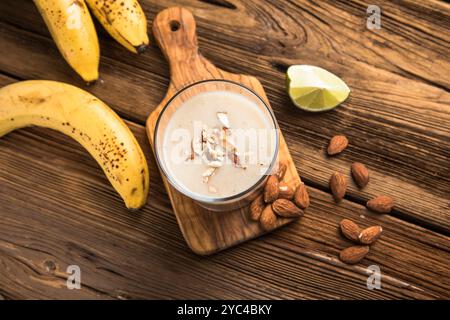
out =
column 175, row 32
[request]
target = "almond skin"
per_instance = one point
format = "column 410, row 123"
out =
column 337, row 144
column 282, row 168
column 286, row 208
column 268, row 218
column 370, row 235
column 301, row 196
column 360, row 174
column 381, row 204
column 271, row 190
column 285, row 191
column 353, row 255
column 350, row 230
column 257, row 207
column 338, row 186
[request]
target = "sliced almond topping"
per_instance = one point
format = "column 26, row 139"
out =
column 223, row 118
column 231, row 150
column 192, row 155
column 208, row 173
column 228, row 145
column 215, row 164
column 212, row 189
column 237, row 161
column 187, row 154
column 226, row 131
column 197, row 147
column 213, row 145
column 213, row 157
column 204, row 134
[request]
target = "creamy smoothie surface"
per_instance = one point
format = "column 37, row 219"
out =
column 218, row 144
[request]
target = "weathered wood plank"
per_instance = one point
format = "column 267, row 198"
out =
column 396, row 124
column 124, row 254
column 58, row 209
column 396, row 119
column 414, row 33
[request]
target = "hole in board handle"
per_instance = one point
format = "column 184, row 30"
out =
column 174, row 25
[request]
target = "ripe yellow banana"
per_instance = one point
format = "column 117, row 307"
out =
column 73, row 30
column 89, row 121
column 124, row 20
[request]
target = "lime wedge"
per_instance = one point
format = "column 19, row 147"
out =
column 315, row 89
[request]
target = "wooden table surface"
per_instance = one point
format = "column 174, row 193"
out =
column 58, row 209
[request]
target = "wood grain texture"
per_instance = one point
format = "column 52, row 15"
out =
column 396, row 120
column 205, row 231
column 126, row 255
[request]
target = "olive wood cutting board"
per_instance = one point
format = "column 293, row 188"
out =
column 205, row 231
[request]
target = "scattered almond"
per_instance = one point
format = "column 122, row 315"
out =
column 350, row 230
column 301, row 196
column 282, row 168
column 381, row 204
column 337, row 144
column 256, row 208
column 271, row 190
column 338, row 185
column 370, row 235
column 268, row 218
column 360, row 174
column 286, row 208
column 285, row 191
column 353, row 255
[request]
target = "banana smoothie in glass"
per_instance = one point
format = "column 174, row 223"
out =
column 217, row 144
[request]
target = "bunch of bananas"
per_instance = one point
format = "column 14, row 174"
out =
column 73, row 30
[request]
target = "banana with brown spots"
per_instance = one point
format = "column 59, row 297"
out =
column 73, row 31
column 86, row 119
column 124, row 20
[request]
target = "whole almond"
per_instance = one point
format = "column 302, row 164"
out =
column 360, row 174
column 301, row 196
column 285, row 191
column 337, row 144
column 350, row 230
column 353, row 255
column 381, row 204
column 370, row 235
column 256, row 208
column 282, row 168
column 338, row 185
column 268, row 218
column 286, row 208
column 271, row 190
